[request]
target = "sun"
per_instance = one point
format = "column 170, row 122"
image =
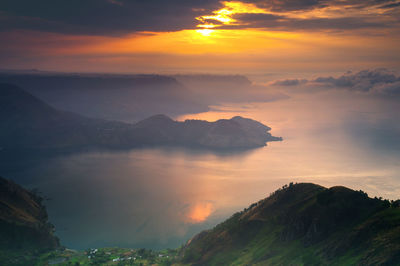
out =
column 205, row 32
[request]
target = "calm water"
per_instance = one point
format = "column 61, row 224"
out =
column 160, row 197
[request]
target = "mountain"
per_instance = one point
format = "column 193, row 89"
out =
column 217, row 89
column 235, row 133
column 304, row 224
column 127, row 98
column 24, row 229
column 28, row 123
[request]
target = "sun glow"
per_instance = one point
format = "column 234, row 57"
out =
column 205, row 32
column 224, row 16
column 200, row 212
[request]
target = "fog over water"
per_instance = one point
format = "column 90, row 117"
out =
column 161, row 197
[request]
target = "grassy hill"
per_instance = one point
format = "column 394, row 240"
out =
column 300, row 224
column 304, row 224
column 25, row 232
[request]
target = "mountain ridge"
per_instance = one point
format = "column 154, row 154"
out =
column 29, row 123
column 127, row 98
column 299, row 224
column 303, row 224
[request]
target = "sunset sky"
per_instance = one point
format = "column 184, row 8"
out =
column 254, row 36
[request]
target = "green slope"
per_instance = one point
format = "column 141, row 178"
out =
column 304, row 224
column 24, row 230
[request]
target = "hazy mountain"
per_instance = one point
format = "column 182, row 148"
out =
column 24, row 229
column 128, row 98
column 237, row 132
column 304, row 224
column 216, row 89
column 28, row 123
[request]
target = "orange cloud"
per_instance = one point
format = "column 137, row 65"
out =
column 225, row 14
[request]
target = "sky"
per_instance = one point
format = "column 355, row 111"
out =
column 200, row 36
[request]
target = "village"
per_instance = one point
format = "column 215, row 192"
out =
column 110, row 256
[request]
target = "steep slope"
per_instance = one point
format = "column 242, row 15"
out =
column 304, row 224
column 24, row 229
column 28, row 123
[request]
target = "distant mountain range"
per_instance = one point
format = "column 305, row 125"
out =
column 24, row 229
column 217, row 89
column 28, row 123
column 131, row 98
column 128, row 98
column 303, row 224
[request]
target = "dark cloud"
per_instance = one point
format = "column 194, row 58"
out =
column 103, row 16
column 290, row 82
column 280, row 22
column 286, row 5
column 301, row 5
column 377, row 82
column 391, row 5
column 380, row 81
column 116, row 17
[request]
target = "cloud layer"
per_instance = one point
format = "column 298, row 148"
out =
column 116, row 17
column 378, row 81
column 102, row 17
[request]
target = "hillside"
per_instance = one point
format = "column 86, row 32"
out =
column 234, row 133
column 24, row 229
column 27, row 123
column 304, row 224
column 300, row 224
column 128, row 98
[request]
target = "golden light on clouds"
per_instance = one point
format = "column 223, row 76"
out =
column 199, row 212
column 226, row 39
column 202, row 50
column 225, row 14
column 194, row 42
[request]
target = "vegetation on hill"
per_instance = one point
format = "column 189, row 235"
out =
column 304, row 224
column 300, row 224
column 25, row 232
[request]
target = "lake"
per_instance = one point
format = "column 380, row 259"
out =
column 159, row 198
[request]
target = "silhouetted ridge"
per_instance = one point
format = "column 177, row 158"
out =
column 155, row 120
column 128, row 98
column 28, row 123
